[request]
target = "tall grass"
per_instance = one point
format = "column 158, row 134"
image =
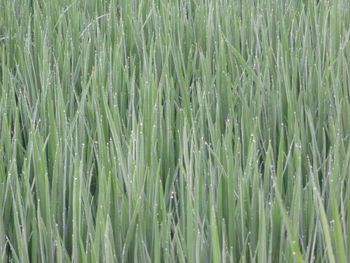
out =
column 174, row 131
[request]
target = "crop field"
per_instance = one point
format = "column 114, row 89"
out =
column 175, row 131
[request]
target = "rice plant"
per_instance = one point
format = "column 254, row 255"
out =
column 175, row 131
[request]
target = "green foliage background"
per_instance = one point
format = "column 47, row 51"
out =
column 174, row 131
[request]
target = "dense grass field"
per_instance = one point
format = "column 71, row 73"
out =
column 175, row 131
